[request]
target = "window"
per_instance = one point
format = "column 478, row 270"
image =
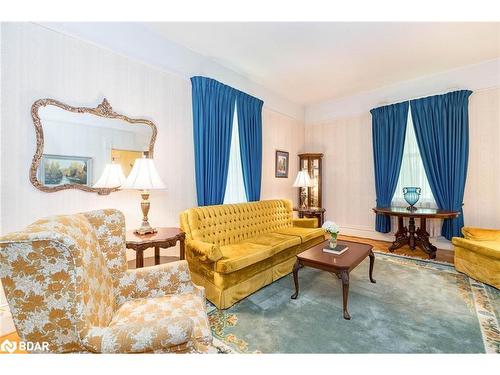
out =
column 413, row 174
column 235, row 187
column 412, row 171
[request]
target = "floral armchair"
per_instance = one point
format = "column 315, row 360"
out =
column 67, row 283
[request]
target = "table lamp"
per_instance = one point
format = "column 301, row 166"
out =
column 112, row 177
column 303, row 181
column 144, row 177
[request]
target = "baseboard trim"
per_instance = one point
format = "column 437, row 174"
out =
column 366, row 232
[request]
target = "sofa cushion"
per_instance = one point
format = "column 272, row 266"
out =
column 305, row 234
column 241, row 255
column 146, row 310
column 254, row 250
column 277, row 241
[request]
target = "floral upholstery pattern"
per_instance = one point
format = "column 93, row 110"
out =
column 67, row 283
column 156, row 281
column 174, row 306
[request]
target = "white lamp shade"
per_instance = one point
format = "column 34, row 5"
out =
column 303, row 180
column 112, row 177
column 143, row 176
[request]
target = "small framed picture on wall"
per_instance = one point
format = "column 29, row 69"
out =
column 281, row 164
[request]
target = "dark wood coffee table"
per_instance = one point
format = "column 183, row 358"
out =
column 340, row 265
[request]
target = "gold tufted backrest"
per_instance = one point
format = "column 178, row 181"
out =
column 232, row 223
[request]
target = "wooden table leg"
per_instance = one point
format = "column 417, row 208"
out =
column 401, row 236
column 411, row 230
column 372, row 262
column 344, row 275
column 182, row 249
column 296, row 268
column 139, row 258
column 423, row 240
column 157, row 255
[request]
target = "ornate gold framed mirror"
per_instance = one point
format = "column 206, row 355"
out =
column 78, row 147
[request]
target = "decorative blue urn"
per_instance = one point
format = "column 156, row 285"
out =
column 411, row 195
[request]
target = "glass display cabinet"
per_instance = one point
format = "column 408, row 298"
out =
column 312, row 162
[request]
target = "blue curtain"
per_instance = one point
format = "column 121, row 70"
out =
column 250, row 130
column 388, row 132
column 213, row 111
column 441, row 125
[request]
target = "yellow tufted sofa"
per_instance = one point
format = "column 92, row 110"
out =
column 478, row 254
column 234, row 250
column 67, row 284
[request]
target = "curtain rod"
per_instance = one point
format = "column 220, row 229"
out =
column 381, row 104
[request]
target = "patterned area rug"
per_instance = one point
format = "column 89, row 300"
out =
column 416, row 306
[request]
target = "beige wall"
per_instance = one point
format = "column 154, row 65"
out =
column 482, row 190
column 348, row 188
column 280, row 132
column 348, row 167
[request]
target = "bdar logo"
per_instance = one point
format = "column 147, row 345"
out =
column 8, row 346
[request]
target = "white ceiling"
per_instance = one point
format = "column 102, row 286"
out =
column 311, row 62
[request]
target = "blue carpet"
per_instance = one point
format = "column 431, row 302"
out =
column 416, row 306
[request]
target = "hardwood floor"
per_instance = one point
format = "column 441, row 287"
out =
column 441, row 255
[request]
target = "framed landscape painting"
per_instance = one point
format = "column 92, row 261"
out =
column 58, row 170
column 281, row 164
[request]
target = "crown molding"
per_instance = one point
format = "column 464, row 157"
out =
column 475, row 77
column 139, row 42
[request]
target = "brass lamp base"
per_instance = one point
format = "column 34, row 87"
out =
column 303, row 197
column 145, row 228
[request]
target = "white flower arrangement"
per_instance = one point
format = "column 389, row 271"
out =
column 331, row 228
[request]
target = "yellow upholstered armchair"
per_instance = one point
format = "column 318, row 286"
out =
column 67, row 284
column 478, row 254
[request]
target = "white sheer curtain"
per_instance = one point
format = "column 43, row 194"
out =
column 413, row 174
column 235, row 188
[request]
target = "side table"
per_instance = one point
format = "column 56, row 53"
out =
column 164, row 238
column 317, row 212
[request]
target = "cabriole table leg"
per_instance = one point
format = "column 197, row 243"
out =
column 296, row 268
column 344, row 275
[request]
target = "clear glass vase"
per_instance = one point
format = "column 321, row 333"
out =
column 333, row 241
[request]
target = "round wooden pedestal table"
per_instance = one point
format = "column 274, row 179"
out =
column 412, row 236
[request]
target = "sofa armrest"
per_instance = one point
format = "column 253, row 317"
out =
column 143, row 337
column 309, row 222
column 479, row 234
column 205, row 251
column 155, row 281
